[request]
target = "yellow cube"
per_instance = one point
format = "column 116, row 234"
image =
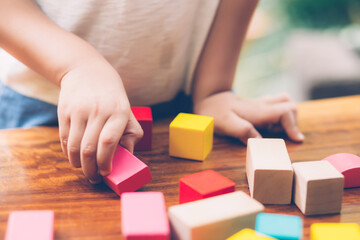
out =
column 191, row 136
column 335, row 231
column 248, row 234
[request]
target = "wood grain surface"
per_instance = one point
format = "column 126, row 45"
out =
column 35, row 175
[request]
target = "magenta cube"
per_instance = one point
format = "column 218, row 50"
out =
column 347, row 164
column 128, row 172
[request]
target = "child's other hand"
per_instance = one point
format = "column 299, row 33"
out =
column 238, row 117
column 94, row 114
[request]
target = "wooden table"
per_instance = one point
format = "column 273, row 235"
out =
column 34, row 174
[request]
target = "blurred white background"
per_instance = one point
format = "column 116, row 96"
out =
column 310, row 49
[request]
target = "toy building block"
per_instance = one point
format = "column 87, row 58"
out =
column 191, row 136
column 214, row 218
column 128, row 172
column 334, row 231
column 318, row 187
column 269, row 171
column 144, row 216
column 249, row 234
column 279, row 226
column 348, row 165
column 144, row 117
column 30, row 225
column 203, row 185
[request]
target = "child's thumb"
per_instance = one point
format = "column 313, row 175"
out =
column 132, row 134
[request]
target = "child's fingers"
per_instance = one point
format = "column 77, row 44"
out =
column 108, row 140
column 64, row 127
column 284, row 113
column 76, row 132
column 239, row 128
column 288, row 121
column 271, row 99
column 88, row 149
column 132, row 134
column 274, row 113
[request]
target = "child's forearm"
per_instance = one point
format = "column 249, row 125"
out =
column 27, row 34
column 217, row 64
column 214, row 76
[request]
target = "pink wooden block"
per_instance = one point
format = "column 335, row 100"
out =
column 30, row 225
column 144, row 117
column 203, row 185
column 348, row 165
column 128, row 172
column 144, row 216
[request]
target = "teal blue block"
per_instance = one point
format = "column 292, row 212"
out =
column 285, row 227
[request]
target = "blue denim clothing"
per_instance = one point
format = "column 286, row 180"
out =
column 17, row 110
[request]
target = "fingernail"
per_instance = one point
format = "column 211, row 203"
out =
column 301, row 136
column 97, row 181
column 104, row 173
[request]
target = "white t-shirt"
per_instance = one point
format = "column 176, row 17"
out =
column 154, row 45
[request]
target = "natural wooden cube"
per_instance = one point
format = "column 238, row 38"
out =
column 249, row 234
column 334, row 231
column 348, row 165
column 203, row 185
column 214, row 218
column 143, row 216
column 279, row 226
column 30, row 225
column 318, row 187
column 269, row 171
column 191, row 136
column 128, row 172
column 144, row 117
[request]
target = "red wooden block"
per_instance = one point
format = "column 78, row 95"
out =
column 348, row 165
column 128, row 172
column 144, row 117
column 203, row 185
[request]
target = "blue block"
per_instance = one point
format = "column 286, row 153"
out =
column 279, row 226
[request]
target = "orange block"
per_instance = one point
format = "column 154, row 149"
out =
column 203, row 185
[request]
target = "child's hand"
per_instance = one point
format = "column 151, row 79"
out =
column 93, row 110
column 94, row 113
column 238, row 117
